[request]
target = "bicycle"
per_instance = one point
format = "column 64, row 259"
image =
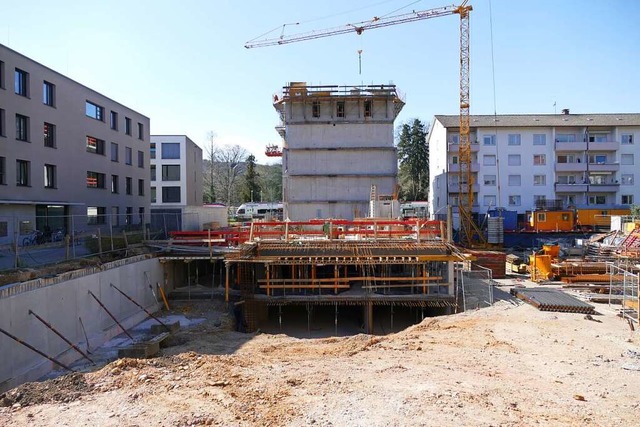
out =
column 36, row 237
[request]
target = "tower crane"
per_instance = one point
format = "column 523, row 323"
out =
column 469, row 231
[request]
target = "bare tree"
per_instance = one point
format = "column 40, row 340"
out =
column 209, row 171
column 228, row 164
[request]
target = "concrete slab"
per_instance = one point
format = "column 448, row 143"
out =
column 172, row 328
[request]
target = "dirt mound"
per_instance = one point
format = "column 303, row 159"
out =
column 63, row 389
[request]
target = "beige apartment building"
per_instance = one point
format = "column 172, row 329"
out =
column 70, row 157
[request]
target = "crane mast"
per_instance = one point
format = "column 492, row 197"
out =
column 469, row 231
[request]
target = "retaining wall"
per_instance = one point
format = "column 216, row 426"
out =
column 64, row 300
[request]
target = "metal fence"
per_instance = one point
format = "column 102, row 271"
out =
column 30, row 241
column 476, row 287
column 624, row 290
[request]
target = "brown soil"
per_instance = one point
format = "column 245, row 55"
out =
column 507, row 365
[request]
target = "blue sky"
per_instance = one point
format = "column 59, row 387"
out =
column 183, row 64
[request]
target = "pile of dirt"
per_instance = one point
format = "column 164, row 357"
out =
column 63, row 389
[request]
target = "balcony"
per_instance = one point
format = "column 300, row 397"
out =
column 455, row 147
column 604, row 146
column 455, row 188
column 455, row 168
column 571, row 167
column 571, row 188
column 604, row 188
column 603, row 167
column 571, row 146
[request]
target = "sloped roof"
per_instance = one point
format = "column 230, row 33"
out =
column 535, row 120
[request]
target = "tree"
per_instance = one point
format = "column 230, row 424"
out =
column 413, row 156
column 227, row 164
column 250, row 189
column 270, row 179
column 209, row 193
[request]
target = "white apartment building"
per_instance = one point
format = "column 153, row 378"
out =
column 522, row 161
column 337, row 143
column 176, row 177
column 69, row 156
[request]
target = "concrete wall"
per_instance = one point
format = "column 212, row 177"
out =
column 62, row 301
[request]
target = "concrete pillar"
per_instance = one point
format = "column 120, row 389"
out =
column 368, row 318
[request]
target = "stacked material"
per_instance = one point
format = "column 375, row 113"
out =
column 493, row 260
column 573, row 268
column 545, row 299
column 514, row 264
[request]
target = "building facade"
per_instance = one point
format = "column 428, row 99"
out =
column 337, row 145
column 70, row 157
column 520, row 162
column 176, row 179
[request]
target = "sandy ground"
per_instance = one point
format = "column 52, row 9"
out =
column 509, row 365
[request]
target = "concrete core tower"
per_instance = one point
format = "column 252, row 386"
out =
column 337, row 144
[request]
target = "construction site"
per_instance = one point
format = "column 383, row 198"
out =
column 343, row 311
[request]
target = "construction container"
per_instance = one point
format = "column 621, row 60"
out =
column 509, row 218
column 598, row 218
column 541, row 221
column 540, row 267
column 552, row 250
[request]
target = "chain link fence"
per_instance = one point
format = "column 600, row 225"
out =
column 30, row 241
column 475, row 287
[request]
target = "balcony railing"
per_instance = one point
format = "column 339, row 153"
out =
column 455, row 188
column 604, row 167
column 603, row 146
column 454, row 168
column 571, row 188
column 571, row 146
column 604, row 188
column 571, row 167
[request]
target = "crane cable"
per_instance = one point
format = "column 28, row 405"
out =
column 495, row 108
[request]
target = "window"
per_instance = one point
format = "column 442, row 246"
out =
column 569, row 158
column 128, row 185
column 141, row 214
column 454, row 200
column 598, row 159
column 515, row 180
column 514, row 200
column 627, row 199
column 598, row 179
column 48, row 94
column 115, row 216
column 3, row 171
column 94, row 111
column 340, row 109
column 541, row 217
column 1, row 75
column 23, row 171
column 539, row 200
column 128, row 155
column 114, row 152
column 127, row 125
column 140, row 131
column 489, row 160
column 315, row 109
column 115, row 184
column 455, row 139
column 599, row 137
column 368, row 108
column 49, row 176
column 49, row 135
column 597, row 200
column 95, row 180
column 96, row 215
column 514, row 139
column 566, row 179
column 113, row 120
column 539, row 159
column 627, row 139
column 141, row 187
column 514, row 160
column 140, row 159
column 22, row 127
column 539, row 139
column 153, row 194
column 626, row 159
column 21, row 82
column 454, row 160
column 489, row 200
column 152, row 169
column 566, row 137
column 170, row 194
column 490, row 180
column 171, row 172
column 170, row 150
column 2, row 126
column 489, row 140
column 128, row 219
column 569, row 200
column 539, row 180
column 95, row 145
column 627, row 179
column 152, row 151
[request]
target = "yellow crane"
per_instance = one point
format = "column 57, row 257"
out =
column 469, row 231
